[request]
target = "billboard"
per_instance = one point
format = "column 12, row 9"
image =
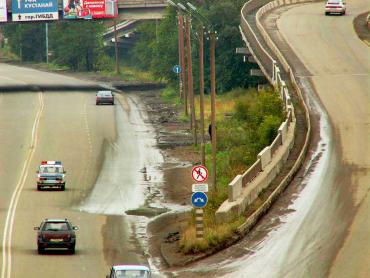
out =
column 3, row 11
column 88, row 9
column 34, row 10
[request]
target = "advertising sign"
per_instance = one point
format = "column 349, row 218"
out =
column 34, row 10
column 88, row 9
column 3, row 11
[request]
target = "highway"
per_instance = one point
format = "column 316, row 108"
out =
column 340, row 66
column 324, row 228
column 68, row 126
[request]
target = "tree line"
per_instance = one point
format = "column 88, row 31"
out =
column 157, row 46
column 77, row 45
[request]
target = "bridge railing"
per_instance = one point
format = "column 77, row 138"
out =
column 245, row 188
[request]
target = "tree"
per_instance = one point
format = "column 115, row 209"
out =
column 27, row 40
column 77, row 45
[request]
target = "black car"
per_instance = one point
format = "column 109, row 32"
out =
column 56, row 233
column 104, row 97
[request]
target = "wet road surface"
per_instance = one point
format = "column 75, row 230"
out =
column 68, row 126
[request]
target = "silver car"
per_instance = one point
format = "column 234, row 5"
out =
column 335, row 7
column 104, row 97
column 129, row 271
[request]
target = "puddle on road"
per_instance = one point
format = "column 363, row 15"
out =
column 121, row 184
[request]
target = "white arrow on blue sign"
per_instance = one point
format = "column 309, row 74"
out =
column 199, row 199
column 176, row 69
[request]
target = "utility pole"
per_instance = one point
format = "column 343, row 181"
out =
column 182, row 53
column 193, row 126
column 201, row 93
column 116, row 47
column 212, row 38
column 47, row 42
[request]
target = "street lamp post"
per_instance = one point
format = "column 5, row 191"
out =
column 116, row 47
column 47, row 42
column 182, row 62
column 201, row 93
column 193, row 123
column 212, row 39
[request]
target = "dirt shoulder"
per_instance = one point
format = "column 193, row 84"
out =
column 360, row 26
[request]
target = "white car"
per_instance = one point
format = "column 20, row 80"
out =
column 335, row 7
column 51, row 174
column 129, row 271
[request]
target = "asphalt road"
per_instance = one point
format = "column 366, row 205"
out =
column 339, row 66
column 64, row 126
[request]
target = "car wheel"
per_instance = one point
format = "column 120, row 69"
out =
column 40, row 250
column 63, row 187
column 343, row 13
column 72, row 250
column 39, row 187
column 326, row 13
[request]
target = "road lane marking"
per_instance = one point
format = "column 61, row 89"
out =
column 8, row 229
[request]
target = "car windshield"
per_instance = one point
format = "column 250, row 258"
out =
column 105, row 94
column 56, row 226
column 132, row 274
column 51, row 169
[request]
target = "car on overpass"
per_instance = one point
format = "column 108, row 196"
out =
column 56, row 233
column 51, row 174
column 129, row 271
column 335, row 7
column 104, row 97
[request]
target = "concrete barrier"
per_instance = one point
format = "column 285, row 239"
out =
column 265, row 157
column 270, row 161
column 235, row 188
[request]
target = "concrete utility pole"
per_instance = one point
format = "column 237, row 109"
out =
column 179, row 49
column 183, row 93
column 116, row 47
column 193, row 123
column 212, row 38
column 47, row 42
column 183, row 64
column 201, row 93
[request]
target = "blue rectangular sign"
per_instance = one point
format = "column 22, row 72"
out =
column 34, row 10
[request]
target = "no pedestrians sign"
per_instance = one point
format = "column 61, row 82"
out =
column 199, row 173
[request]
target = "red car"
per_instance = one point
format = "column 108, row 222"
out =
column 104, row 97
column 56, row 233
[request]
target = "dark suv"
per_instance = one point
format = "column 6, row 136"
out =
column 56, row 233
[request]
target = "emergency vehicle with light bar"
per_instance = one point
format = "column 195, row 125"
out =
column 51, row 174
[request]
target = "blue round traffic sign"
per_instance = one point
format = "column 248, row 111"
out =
column 199, row 199
column 176, row 69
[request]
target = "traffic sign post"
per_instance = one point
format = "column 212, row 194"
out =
column 199, row 201
column 199, row 187
column 199, row 173
column 199, row 198
column 199, row 223
column 176, row 69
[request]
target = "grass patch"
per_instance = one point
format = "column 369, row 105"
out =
column 214, row 236
column 251, row 123
column 129, row 74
